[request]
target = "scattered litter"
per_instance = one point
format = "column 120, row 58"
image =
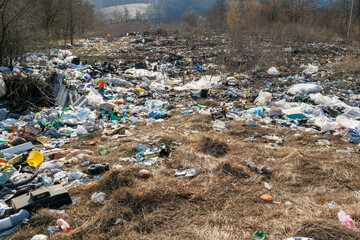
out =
column 99, row 197
column 258, row 236
column 39, row 237
column 267, row 198
column 323, row 142
column 273, row 71
column 267, row 186
column 347, row 221
column 119, row 220
column 144, row 173
column 250, row 139
column 261, row 169
column 63, row 224
column 311, row 69
column 185, row 173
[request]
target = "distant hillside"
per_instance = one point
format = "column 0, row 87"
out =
column 111, row 3
column 126, row 12
column 172, row 10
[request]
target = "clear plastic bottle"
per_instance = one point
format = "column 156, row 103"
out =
column 347, row 221
column 63, row 225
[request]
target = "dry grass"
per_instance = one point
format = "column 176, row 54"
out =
column 223, row 201
column 349, row 64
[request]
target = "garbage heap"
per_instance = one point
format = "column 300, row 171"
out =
column 50, row 100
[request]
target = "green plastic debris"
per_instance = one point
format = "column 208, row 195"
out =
column 297, row 116
column 258, row 235
column 114, row 116
column 103, row 151
column 56, row 124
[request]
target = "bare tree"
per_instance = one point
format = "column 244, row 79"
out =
column 10, row 12
column 51, row 11
column 126, row 14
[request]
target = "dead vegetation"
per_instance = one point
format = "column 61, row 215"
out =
column 223, row 200
column 26, row 94
column 214, row 148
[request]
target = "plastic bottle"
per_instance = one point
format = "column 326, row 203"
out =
column 347, row 221
column 52, row 229
column 187, row 112
column 63, row 225
column 258, row 235
column 102, row 150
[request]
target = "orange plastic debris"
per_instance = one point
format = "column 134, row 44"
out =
column 267, row 197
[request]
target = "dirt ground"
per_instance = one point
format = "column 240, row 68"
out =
column 224, row 200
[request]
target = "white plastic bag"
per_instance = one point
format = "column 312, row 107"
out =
column 304, row 88
column 273, row 71
column 2, row 86
column 99, row 197
column 81, row 130
column 263, row 99
column 311, row 69
column 39, row 237
column 94, row 98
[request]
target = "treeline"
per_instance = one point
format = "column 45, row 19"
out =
column 312, row 19
column 29, row 24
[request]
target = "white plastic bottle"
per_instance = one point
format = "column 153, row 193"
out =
column 63, row 225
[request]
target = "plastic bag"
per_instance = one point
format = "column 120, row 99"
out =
column 81, row 130
column 273, row 71
column 94, row 98
column 39, row 237
column 304, row 88
column 99, row 197
column 2, row 87
column 219, row 125
column 311, row 69
column 263, row 99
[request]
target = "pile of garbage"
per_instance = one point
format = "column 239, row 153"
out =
column 52, row 99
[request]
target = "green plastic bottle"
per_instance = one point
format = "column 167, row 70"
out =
column 103, row 150
column 258, row 235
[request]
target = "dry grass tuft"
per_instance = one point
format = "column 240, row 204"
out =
column 236, row 171
column 326, row 230
column 214, row 148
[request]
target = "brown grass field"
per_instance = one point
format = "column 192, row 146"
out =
column 223, row 200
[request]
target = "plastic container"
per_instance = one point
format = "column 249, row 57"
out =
column 347, row 221
column 35, row 158
column 63, row 225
